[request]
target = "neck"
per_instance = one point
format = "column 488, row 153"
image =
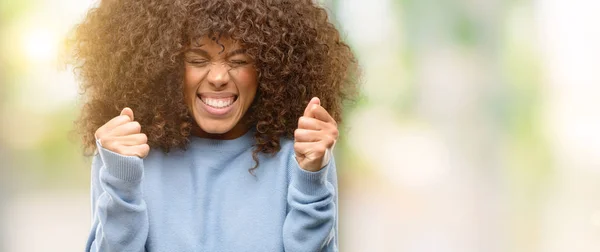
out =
column 238, row 130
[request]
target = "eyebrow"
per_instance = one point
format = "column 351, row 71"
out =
column 236, row 52
column 199, row 52
column 203, row 53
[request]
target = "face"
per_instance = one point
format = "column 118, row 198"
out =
column 220, row 85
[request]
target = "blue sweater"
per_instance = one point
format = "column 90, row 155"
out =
column 204, row 199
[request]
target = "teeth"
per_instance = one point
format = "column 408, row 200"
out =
column 218, row 103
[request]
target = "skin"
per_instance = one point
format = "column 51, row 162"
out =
column 211, row 70
column 123, row 135
column 315, row 137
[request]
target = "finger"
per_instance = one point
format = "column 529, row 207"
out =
column 306, row 135
column 320, row 113
column 312, row 102
column 128, row 112
column 129, row 128
column 128, row 140
column 110, row 125
column 136, row 150
column 311, row 150
column 315, row 100
column 311, row 123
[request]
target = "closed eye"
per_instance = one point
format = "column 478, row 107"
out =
column 239, row 62
column 197, row 62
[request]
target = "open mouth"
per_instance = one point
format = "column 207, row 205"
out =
column 218, row 102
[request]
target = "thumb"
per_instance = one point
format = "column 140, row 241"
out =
column 307, row 110
column 315, row 100
column 128, row 112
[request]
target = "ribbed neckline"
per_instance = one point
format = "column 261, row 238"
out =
column 240, row 143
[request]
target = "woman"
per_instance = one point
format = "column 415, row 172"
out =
column 205, row 135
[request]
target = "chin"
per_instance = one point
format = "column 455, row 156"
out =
column 216, row 131
column 214, row 128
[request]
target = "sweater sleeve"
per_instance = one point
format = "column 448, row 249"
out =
column 311, row 221
column 119, row 214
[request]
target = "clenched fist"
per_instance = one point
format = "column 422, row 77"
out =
column 123, row 135
column 315, row 137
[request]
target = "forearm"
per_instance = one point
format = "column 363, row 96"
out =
column 120, row 219
column 311, row 223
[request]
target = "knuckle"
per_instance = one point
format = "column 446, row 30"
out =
column 308, row 122
column 137, row 125
column 125, row 118
column 144, row 150
column 335, row 134
column 144, row 138
column 100, row 132
column 329, row 140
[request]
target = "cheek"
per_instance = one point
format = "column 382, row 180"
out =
column 192, row 79
column 247, row 77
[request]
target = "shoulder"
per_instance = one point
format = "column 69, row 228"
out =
column 284, row 156
column 286, row 143
column 287, row 147
column 287, row 151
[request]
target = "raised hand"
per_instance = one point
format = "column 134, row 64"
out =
column 123, row 135
column 315, row 137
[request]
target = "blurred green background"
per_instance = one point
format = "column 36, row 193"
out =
column 477, row 128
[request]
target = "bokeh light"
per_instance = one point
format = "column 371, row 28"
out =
column 40, row 45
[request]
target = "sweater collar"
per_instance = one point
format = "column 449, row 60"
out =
column 241, row 143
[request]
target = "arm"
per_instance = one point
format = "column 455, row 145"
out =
column 120, row 217
column 119, row 214
column 311, row 222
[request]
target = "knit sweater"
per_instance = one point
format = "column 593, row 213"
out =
column 204, row 199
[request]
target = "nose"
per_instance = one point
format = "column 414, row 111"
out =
column 218, row 75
